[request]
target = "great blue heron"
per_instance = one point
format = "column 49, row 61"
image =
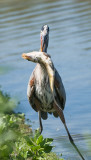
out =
column 45, row 90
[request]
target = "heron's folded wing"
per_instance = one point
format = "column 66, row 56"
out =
column 60, row 91
column 31, row 92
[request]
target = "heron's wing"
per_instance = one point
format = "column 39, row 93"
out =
column 34, row 102
column 60, row 91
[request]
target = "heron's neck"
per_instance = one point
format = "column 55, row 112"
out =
column 43, row 69
column 43, row 75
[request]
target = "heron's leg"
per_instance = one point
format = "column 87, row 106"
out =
column 40, row 122
column 61, row 115
column 38, row 104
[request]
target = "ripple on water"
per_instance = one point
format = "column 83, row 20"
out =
column 70, row 48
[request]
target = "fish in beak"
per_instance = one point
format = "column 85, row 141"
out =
column 41, row 57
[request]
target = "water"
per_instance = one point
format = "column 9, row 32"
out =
column 70, row 48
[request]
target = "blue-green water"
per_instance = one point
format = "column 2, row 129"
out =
column 70, row 49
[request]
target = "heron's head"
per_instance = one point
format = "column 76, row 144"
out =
column 44, row 36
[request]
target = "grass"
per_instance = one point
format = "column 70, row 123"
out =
column 17, row 141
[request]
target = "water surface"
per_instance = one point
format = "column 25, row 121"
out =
column 70, row 49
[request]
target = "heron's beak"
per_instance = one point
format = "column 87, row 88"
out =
column 44, row 43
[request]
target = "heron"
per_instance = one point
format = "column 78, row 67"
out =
column 45, row 91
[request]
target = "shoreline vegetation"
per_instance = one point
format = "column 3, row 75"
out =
column 17, row 140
